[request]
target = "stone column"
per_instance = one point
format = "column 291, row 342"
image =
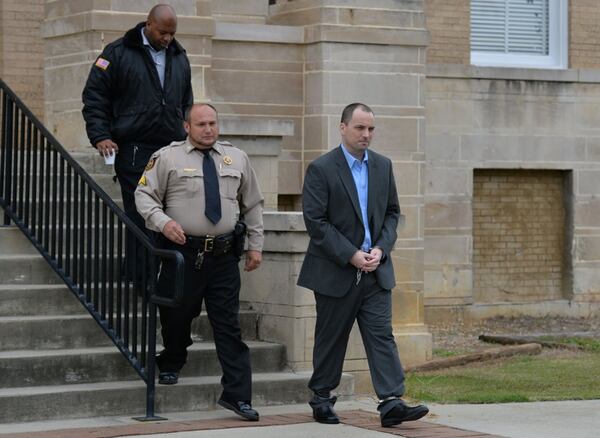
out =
column 373, row 51
column 241, row 11
column 286, row 312
column 261, row 140
column 22, row 51
column 75, row 32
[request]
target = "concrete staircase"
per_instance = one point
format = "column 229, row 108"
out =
column 56, row 362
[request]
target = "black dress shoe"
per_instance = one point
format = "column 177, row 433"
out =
column 323, row 409
column 242, row 408
column 168, row 377
column 401, row 412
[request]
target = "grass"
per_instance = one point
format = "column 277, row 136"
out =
column 553, row 375
column 440, row 352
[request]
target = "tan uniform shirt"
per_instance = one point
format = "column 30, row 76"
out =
column 172, row 188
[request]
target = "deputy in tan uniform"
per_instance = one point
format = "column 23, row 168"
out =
column 194, row 193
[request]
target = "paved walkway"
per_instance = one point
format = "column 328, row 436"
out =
column 572, row 419
column 564, row 419
column 355, row 424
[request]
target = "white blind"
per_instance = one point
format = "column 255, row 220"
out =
column 510, row 26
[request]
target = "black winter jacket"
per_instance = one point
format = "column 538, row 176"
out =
column 124, row 101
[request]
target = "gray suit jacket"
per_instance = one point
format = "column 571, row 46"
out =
column 333, row 219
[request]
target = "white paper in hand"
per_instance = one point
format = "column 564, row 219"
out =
column 110, row 158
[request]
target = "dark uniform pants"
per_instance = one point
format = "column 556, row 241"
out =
column 371, row 306
column 129, row 167
column 217, row 283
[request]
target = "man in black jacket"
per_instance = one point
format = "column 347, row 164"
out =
column 135, row 98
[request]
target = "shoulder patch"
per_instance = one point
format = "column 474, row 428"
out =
column 151, row 163
column 102, row 63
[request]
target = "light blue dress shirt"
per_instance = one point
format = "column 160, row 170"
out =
column 159, row 57
column 360, row 174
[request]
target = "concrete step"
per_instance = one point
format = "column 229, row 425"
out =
column 19, row 245
column 202, row 330
column 23, row 269
column 128, row 397
column 41, row 205
column 103, row 179
column 50, row 332
column 13, row 242
column 92, row 162
column 89, row 159
column 81, row 331
column 23, row 368
column 91, row 167
column 28, row 299
column 26, row 269
column 111, row 187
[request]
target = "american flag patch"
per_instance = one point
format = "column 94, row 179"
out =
column 102, row 63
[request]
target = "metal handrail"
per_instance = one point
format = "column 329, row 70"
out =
column 82, row 234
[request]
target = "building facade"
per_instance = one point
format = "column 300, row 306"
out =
column 487, row 109
column 511, row 221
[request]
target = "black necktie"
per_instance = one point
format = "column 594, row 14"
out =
column 212, row 199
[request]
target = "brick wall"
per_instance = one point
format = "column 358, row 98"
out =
column 22, row 50
column 584, row 34
column 519, row 224
column 449, row 25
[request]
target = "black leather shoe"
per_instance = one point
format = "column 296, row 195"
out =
column 168, row 377
column 323, row 410
column 241, row 408
column 401, row 412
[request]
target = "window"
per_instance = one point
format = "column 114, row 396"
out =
column 519, row 33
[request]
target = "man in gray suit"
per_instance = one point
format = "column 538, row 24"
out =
column 351, row 211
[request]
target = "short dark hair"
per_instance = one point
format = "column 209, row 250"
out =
column 188, row 111
column 349, row 111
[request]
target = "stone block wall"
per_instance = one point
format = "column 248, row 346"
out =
column 519, row 233
column 240, row 11
column 21, row 42
column 22, row 50
column 372, row 52
column 288, row 70
column 492, row 118
column 75, row 32
column 261, row 81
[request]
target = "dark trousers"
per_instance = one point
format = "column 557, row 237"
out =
column 217, row 283
column 371, row 306
column 129, row 167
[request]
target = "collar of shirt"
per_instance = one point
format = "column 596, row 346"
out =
column 189, row 147
column 158, row 56
column 360, row 175
column 351, row 159
column 147, row 43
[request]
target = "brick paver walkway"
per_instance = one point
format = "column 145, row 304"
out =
column 357, row 418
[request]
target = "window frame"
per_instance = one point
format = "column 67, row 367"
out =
column 557, row 57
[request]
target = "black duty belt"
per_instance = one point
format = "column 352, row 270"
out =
column 216, row 245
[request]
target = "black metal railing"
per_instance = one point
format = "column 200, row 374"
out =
column 105, row 260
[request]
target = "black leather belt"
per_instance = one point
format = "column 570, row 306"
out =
column 216, row 245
